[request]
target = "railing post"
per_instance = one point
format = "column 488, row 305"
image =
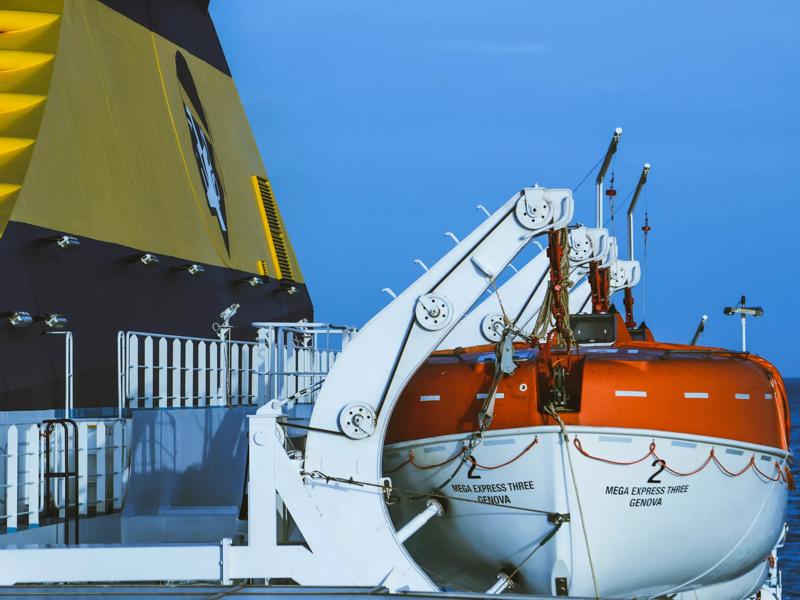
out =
column 148, row 372
column 214, row 391
column 162, row 372
column 32, row 475
column 132, row 391
column 202, row 367
column 12, row 470
column 117, row 464
column 82, row 443
column 235, row 370
column 262, row 367
column 121, row 373
column 177, row 373
column 100, row 466
column 188, row 359
column 69, row 373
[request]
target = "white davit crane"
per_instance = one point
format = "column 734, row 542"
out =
column 350, row 417
column 521, row 297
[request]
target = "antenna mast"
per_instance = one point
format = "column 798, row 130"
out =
column 639, row 186
column 612, row 149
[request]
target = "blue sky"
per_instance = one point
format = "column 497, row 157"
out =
column 383, row 124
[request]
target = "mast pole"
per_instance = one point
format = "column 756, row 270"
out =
column 639, row 186
column 612, row 149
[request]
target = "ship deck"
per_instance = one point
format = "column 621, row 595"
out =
column 220, row 592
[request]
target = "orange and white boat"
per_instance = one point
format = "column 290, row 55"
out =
column 591, row 460
column 673, row 474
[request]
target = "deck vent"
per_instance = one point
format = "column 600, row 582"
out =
column 273, row 230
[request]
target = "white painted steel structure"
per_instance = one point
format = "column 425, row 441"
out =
column 349, row 535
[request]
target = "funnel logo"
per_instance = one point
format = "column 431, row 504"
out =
column 203, row 153
column 203, row 147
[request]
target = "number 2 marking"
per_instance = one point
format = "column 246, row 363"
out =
column 472, row 470
column 662, row 466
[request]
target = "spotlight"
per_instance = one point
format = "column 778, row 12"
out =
column 227, row 314
column 291, row 290
column 20, row 319
column 55, row 321
column 149, row 259
column 68, row 241
column 255, row 281
column 195, row 269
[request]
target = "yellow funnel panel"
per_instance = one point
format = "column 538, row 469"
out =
column 25, row 29
column 28, row 42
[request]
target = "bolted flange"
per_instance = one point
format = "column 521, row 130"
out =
column 534, row 211
column 433, row 311
column 580, row 245
column 618, row 276
column 357, row 421
column 492, row 327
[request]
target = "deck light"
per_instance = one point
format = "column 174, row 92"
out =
column 20, row 319
column 701, row 327
column 55, row 321
column 255, row 281
column 195, row 269
column 68, row 241
column 149, row 259
column 744, row 311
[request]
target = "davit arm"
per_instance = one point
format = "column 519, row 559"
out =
column 351, row 414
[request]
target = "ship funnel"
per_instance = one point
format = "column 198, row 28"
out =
column 612, row 149
column 639, row 187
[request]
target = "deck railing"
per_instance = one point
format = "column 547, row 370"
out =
column 103, row 455
column 168, row 371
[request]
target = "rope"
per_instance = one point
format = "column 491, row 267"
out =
column 508, row 462
column 556, row 299
column 563, row 427
column 410, row 460
column 589, row 172
column 712, row 457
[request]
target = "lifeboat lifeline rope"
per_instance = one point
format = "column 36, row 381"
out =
column 783, row 473
column 472, row 459
column 552, row 411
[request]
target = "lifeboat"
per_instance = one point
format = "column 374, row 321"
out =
column 581, row 457
column 665, row 464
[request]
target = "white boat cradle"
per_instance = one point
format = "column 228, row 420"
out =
column 333, row 489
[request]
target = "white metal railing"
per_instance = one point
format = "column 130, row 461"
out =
column 168, row 371
column 297, row 357
column 103, row 457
